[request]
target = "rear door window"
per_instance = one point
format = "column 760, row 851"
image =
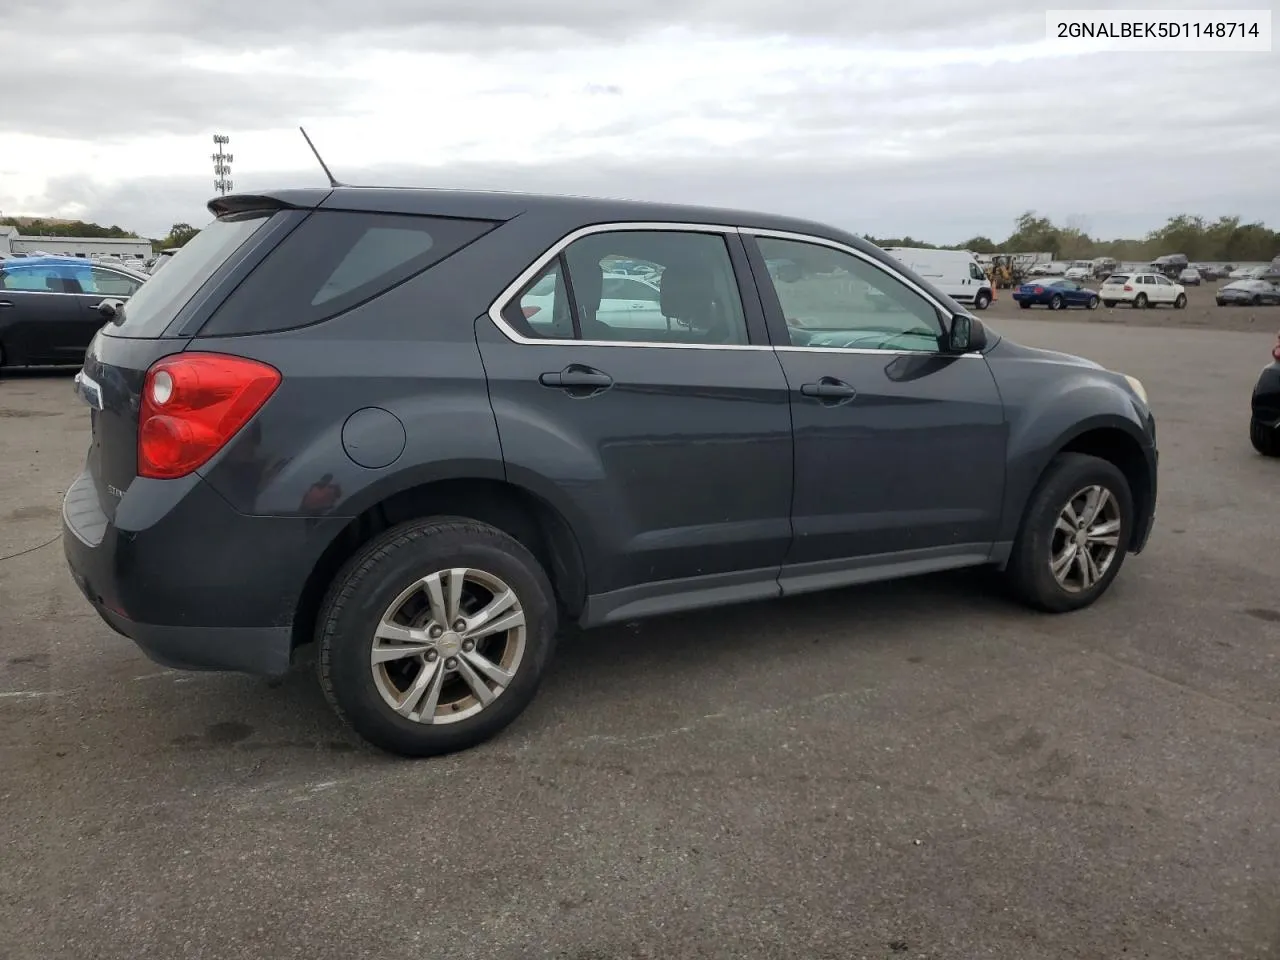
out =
column 335, row 261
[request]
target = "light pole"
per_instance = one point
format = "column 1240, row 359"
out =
column 222, row 165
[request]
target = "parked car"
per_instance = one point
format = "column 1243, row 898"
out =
column 294, row 440
column 955, row 272
column 1142, row 290
column 1190, row 277
column 1246, row 273
column 51, row 307
column 1253, row 293
column 1079, row 270
column 1264, row 415
column 1055, row 294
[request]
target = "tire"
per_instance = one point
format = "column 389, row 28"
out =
column 379, row 579
column 1140, row 302
column 1256, row 301
column 982, row 300
column 1055, row 302
column 1181, row 302
column 1029, row 572
column 1093, row 303
column 1108, row 303
column 1265, row 439
column 1024, row 305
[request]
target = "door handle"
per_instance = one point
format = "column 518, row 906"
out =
column 829, row 388
column 6, row 303
column 575, row 377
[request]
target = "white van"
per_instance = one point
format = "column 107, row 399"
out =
column 955, row 272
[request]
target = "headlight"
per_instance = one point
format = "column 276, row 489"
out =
column 1136, row 386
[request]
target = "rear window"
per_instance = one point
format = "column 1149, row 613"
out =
column 157, row 302
column 335, row 261
column 1118, row 278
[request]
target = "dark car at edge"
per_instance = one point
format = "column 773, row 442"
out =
column 1264, row 408
column 340, row 416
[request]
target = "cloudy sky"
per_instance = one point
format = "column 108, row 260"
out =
column 938, row 118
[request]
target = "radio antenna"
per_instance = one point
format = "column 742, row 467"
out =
column 333, row 182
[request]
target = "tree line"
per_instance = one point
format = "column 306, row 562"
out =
column 1225, row 239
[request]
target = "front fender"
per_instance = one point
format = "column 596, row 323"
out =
column 1044, row 422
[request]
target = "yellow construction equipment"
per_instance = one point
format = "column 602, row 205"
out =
column 1005, row 272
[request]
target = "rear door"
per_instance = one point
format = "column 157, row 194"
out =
column 34, row 315
column 900, row 448
column 669, row 450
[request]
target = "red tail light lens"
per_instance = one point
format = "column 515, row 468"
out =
column 1275, row 351
column 1128, row 289
column 1038, row 290
column 192, row 404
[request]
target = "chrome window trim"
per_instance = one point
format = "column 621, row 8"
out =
column 544, row 260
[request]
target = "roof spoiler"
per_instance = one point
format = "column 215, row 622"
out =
column 246, row 203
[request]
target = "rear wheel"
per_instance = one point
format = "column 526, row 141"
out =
column 1055, row 302
column 1074, row 535
column 1024, row 305
column 1109, row 303
column 1093, row 303
column 1140, row 302
column 1181, row 302
column 1256, row 301
column 435, row 636
column 982, row 300
column 1265, row 439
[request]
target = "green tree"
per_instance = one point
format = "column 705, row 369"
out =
column 179, row 234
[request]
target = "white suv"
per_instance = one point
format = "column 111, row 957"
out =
column 1142, row 290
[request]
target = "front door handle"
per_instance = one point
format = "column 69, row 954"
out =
column 6, row 303
column 576, row 379
column 828, row 389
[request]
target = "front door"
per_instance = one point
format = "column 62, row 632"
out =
column 36, row 314
column 666, row 445
column 900, row 447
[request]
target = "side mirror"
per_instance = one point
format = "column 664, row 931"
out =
column 966, row 335
column 108, row 309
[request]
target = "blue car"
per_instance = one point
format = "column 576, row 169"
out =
column 1056, row 294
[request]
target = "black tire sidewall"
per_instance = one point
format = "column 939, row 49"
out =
column 368, row 586
column 1055, row 303
column 1093, row 303
column 1108, row 303
column 1029, row 564
column 1140, row 302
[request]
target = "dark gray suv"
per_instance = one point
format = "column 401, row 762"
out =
column 424, row 428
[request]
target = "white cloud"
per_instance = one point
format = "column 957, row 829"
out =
column 934, row 118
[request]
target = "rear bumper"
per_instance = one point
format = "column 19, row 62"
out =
column 194, row 584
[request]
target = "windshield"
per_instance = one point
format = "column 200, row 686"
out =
column 158, row 301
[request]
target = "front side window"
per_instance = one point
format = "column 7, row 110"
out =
column 690, row 296
column 108, row 283
column 840, row 300
column 975, row 272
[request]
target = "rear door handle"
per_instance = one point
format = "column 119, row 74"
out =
column 829, row 388
column 577, row 378
column 6, row 303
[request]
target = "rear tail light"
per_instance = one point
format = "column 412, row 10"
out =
column 192, row 404
column 1275, row 351
column 1038, row 290
column 1128, row 289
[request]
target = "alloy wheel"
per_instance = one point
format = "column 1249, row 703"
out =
column 1086, row 538
column 448, row 646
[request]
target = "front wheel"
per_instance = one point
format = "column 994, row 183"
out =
column 435, row 636
column 1140, row 302
column 1181, row 302
column 1265, row 439
column 1074, row 535
column 1093, row 303
column 982, row 300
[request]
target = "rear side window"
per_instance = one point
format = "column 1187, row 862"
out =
column 335, row 261
column 157, row 302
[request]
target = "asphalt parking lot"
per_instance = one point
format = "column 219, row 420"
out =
column 918, row 769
